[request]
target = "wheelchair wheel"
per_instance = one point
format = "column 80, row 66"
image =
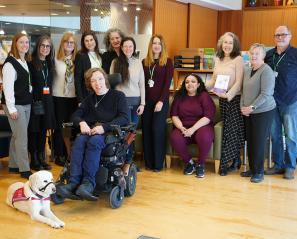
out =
column 131, row 180
column 115, row 199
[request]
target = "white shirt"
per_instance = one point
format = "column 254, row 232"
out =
column 95, row 61
column 9, row 77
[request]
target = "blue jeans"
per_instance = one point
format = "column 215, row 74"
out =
column 133, row 118
column 85, row 158
column 286, row 118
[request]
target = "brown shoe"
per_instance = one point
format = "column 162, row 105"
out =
column 274, row 170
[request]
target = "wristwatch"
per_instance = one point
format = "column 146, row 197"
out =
column 253, row 107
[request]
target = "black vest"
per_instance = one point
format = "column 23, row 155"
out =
column 22, row 94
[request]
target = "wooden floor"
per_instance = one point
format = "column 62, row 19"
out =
column 169, row 205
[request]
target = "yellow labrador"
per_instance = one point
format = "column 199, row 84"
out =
column 33, row 198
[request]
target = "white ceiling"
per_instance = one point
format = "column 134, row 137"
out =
column 217, row 4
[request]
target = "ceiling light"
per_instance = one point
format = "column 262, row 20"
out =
column 66, row 5
column 7, row 23
column 96, row 9
column 23, row 31
column 101, row 12
column 37, row 30
column 2, row 6
column 67, row 12
column 125, row 9
column 138, row 8
column 44, row 27
column 54, row 14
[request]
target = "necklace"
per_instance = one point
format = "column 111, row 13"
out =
column 98, row 102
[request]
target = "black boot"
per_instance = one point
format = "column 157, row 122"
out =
column 85, row 191
column 223, row 171
column 43, row 163
column 67, row 190
column 236, row 164
column 35, row 163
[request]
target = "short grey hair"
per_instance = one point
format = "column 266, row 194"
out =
column 260, row 46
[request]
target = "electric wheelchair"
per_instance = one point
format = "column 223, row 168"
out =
column 110, row 177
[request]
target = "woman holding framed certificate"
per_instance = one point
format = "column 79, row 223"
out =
column 226, row 84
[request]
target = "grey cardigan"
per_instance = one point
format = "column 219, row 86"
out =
column 258, row 90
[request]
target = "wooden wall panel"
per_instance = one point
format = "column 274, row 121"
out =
column 202, row 27
column 251, row 28
column 270, row 20
column 230, row 21
column 170, row 20
column 290, row 19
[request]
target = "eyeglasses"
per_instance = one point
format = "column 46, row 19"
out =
column 45, row 46
column 282, row 35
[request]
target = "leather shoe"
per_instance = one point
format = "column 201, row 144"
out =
column 289, row 173
column 274, row 170
column 67, row 190
column 246, row 174
column 13, row 170
column 223, row 171
column 257, row 178
column 235, row 165
column 26, row 174
column 85, row 191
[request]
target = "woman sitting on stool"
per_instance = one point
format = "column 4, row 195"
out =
column 101, row 109
column 192, row 114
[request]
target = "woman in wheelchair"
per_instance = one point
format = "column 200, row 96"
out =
column 100, row 110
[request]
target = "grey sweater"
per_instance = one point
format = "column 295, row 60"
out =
column 258, row 90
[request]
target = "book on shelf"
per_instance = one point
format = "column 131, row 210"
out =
column 221, row 84
column 208, row 58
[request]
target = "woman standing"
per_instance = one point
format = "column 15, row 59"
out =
column 16, row 100
column 192, row 115
column 88, row 57
column 112, row 40
column 132, row 74
column 158, row 71
column 229, row 64
column 258, row 108
column 41, row 69
column 64, row 93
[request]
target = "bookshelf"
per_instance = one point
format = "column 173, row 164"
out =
column 268, row 4
column 181, row 73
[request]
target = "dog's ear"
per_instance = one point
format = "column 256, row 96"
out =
column 33, row 181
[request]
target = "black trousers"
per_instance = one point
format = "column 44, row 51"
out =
column 36, row 141
column 257, row 131
column 154, row 135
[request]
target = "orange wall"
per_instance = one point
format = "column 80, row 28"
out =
column 170, row 19
column 202, row 27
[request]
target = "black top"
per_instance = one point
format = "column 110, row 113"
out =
column 42, row 78
column 22, row 93
column 107, row 58
column 112, row 109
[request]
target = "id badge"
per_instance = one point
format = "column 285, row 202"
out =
column 46, row 90
column 275, row 73
column 151, row 83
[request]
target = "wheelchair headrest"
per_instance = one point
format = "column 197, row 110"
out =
column 114, row 80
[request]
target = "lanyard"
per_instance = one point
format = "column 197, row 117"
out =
column 277, row 63
column 45, row 74
column 152, row 71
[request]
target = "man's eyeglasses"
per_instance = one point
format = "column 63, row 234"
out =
column 45, row 46
column 282, row 35
column 69, row 42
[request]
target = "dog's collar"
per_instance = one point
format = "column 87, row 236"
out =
column 39, row 197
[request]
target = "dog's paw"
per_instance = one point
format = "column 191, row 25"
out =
column 62, row 224
column 56, row 225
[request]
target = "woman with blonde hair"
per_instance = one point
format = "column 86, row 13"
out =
column 16, row 100
column 158, row 71
column 64, row 93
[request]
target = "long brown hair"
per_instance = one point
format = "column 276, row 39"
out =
column 61, row 52
column 236, row 46
column 14, row 51
column 150, row 55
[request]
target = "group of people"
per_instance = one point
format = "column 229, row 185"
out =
column 260, row 100
column 42, row 91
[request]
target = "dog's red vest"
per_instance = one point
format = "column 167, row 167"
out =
column 20, row 196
